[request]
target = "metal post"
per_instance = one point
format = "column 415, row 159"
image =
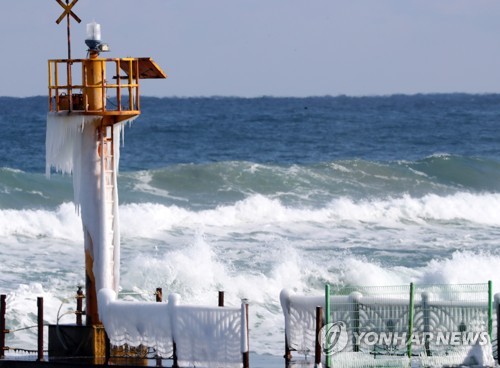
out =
column 490, row 309
column 50, row 87
column 319, row 325
column 85, row 88
column 288, row 352
column 327, row 320
column 40, row 328
column 119, row 86
column 159, row 299
column 497, row 304
column 221, row 298
column 68, row 27
column 354, row 301
column 91, row 312
column 56, row 76
column 103, row 84
column 174, row 357
column 79, row 306
column 427, row 322
column 410, row 319
column 2, row 324
column 246, row 355
column 68, row 65
column 107, row 348
column 137, row 91
column 130, row 93
column 159, row 295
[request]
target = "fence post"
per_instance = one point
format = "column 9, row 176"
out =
column 288, row 352
column 175, row 363
column 246, row 354
column 354, row 301
column 497, row 305
column 159, row 295
column 79, row 306
column 39, row 304
column 2, row 325
column 490, row 310
column 159, row 299
column 319, row 325
column 221, row 298
column 427, row 322
column 327, row 321
column 410, row 319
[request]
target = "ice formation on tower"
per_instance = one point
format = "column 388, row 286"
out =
column 74, row 145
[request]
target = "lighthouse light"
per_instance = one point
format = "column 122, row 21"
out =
column 93, row 40
column 94, row 31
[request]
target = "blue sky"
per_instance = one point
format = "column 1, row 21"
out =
column 269, row 47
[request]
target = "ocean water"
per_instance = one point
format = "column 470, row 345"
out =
column 251, row 196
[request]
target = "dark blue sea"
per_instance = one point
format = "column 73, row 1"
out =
column 253, row 195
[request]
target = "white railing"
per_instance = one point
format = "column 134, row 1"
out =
column 194, row 336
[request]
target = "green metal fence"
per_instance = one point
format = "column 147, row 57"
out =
column 396, row 323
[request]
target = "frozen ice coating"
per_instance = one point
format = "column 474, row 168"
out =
column 299, row 312
column 136, row 323
column 475, row 355
column 208, row 336
column 62, row 141
column 439, row 313
column 73, row 147
column 204, row 336
column 300, row 319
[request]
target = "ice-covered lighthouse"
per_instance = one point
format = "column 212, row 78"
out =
column 90, row 101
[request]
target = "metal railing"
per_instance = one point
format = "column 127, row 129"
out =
column 39, row 326
column 392, row 323
column 69, row 90
column 119, row 354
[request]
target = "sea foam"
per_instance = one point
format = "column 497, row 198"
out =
column 255, row 247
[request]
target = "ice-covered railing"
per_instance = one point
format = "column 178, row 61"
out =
column 359, row 314
column 136, row 323
column 449, row 311
column 398, row 323
column 300, row 319
column 209, row 336
column 194, row 336
column 378, row 312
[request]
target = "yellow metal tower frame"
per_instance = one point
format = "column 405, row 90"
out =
column 92, row 94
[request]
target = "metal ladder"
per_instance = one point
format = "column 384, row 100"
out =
column 109, row 179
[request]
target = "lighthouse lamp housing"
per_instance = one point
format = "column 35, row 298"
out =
column 93, row 40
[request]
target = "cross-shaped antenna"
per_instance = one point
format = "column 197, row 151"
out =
column 67, row 13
